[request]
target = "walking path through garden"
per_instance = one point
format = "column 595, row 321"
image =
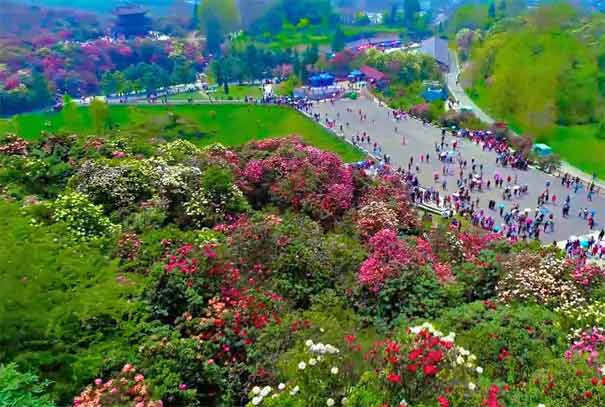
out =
column 420, row 139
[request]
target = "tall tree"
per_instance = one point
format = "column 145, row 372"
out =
column 410, row 9
column 226, row 11
column 214, row 34
column 195, row 17
column 338, row 40
column 492, row 10
column 100, row 115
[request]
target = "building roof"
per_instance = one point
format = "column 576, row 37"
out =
column 129, row 10
column 372, row 73
column 436, row 48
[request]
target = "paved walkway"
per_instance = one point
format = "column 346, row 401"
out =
column 420, row 139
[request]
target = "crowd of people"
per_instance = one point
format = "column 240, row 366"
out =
column 502, row 214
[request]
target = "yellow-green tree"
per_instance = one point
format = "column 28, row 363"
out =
column 226, row 11
column 100, row 115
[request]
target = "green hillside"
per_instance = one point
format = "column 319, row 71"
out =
column 204, row 124
column 545, row 73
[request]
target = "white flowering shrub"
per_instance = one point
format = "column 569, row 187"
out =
column 319, row 381
column 115, row 184
column 178, row 151
column 529, row 277
column 83, row 219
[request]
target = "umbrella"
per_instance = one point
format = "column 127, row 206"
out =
column 573, row 238
column 584, row 243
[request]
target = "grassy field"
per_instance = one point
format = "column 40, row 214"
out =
column 230, row 125
column 237, row 92
column 577, row 145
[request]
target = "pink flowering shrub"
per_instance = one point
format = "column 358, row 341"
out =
column 13, row 145
column 389, row 255
column 588, row 275
column 589, row 344
column 289, row 173
column 128, row 389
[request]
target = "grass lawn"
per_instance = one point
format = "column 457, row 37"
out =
column 237, row 92
column 578, row 145
column 355, row 30
column 183, row 97
column 233, row 124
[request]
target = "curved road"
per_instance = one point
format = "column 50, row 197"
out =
column 459, row 94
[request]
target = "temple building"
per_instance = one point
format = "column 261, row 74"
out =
column 131, row 21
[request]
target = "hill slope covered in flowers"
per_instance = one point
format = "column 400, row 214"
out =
column 271, row 274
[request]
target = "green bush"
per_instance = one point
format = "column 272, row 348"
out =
column 22, row 389
column 528, row 334
column 64, row 309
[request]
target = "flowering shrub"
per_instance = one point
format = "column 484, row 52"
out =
column 292, row 174
column 511, row 341
column 375, row 217
column 178, row 151
column 389, row 256
column 589, row 343
column 13, row 145
column 387, row 194
column 129, row 247
column 545, row 280
column 587, row 316
column 126, row 389
column 83, row 219
column 588, row 275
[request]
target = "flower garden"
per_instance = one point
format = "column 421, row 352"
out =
column 271, row 274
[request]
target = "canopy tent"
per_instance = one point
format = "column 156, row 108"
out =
column 542, row 150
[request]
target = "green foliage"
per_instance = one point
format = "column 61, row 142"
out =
column 100, row 115
column 480, row 281
column 22, row 389
column 63, row 306
column 416, row 293
column 528, row 332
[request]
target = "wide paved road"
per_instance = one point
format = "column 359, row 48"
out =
column 421, row 140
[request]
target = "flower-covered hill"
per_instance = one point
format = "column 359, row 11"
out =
column 271, row 274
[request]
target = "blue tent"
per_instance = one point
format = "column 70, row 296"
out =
column 321, row 80
column 433, row 94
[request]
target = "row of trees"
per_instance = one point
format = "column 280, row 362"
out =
column 147, row 77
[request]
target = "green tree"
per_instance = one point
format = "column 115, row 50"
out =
column 214, row 33
column 410, row 9
column 311, row 55
column 492, row 10
column 338, row 40
column 100, row 115
column 225, row 11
